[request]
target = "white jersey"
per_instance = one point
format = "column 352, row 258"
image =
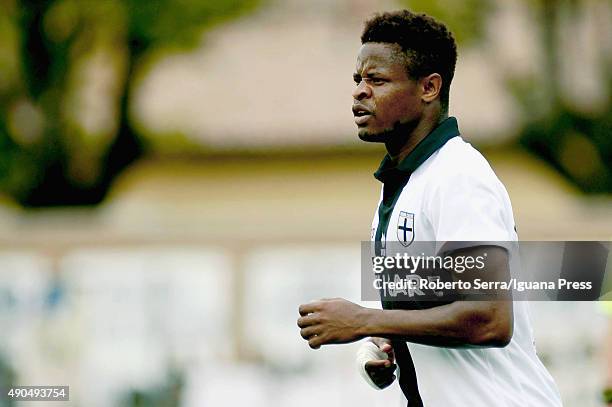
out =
column 454, row 195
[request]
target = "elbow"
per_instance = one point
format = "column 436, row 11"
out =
column 498, row 337
column 495, row 332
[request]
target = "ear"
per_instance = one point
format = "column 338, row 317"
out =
column 431, row 86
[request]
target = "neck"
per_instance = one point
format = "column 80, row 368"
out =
column 411, row 135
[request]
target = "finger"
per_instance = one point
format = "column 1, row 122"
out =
column 306, row 309
column 316, row 341
column 309, row 332
column 308, row 320
column 384, row 370
column 386, row 347
column 373, row 364
column 380, row 342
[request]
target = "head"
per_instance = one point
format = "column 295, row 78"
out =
column 404, row 70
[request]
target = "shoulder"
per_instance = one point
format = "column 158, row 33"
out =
column 459, row 167
column 463, row 198
column 459, row 159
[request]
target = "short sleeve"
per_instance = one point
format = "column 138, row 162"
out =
column 468, row 209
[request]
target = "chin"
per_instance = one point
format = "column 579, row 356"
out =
column 371, row 137
column 397, row 133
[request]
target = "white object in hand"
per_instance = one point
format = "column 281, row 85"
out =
column 369, row 351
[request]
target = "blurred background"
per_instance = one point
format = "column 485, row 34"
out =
column 176, row 177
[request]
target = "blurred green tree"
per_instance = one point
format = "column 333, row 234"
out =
column 467, row 19
column 67, row 73
column 577, row 142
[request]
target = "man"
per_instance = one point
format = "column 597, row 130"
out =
column 464, row 353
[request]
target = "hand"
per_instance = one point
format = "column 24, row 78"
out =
column 382, row 372
column 329, row 321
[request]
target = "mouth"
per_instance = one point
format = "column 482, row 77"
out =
column 362, row 115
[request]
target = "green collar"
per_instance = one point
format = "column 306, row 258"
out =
column 429, row 145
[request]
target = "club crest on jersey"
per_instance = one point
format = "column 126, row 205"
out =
column 405, row 228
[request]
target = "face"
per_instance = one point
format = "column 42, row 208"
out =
column 385, row 96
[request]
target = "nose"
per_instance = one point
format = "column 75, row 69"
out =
column 362, row 91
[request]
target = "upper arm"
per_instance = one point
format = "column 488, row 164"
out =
column 472, row 217
column 487, row 315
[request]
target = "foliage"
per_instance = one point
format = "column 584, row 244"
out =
column 466, row 19
column 64, row 138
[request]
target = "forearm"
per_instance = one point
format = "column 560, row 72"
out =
column 460, row 324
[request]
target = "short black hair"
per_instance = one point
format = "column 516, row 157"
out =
column 428, row 44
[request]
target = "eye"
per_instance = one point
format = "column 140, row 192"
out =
column 357, row 79
column 377, row 81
